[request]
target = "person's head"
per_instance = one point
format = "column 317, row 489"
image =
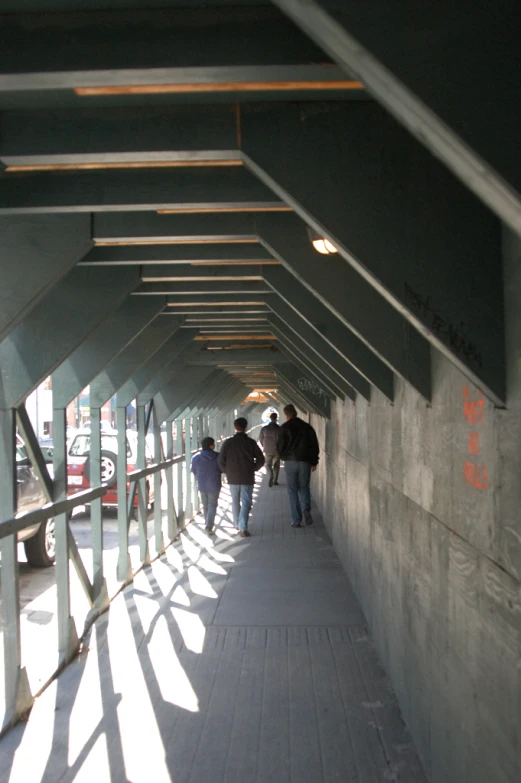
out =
column 240, row 424
column 274, row 417
column 290, row 411
column 207, row 444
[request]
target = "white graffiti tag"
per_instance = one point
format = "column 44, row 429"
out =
column 306, row 385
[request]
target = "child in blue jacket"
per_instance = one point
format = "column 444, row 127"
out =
column 205, row 467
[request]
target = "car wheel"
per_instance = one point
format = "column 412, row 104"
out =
column 40, row 550
column 108, row 468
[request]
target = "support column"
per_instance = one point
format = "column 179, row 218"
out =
column 181, row 516
column 18, row 697
column 124, row 566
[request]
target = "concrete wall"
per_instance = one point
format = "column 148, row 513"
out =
column 423, row 503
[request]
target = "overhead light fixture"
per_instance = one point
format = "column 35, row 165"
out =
column 320, row 243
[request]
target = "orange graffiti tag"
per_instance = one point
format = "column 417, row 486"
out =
column 475, row 474
column 474, row 446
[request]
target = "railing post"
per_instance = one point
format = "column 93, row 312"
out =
column 100, row 593
column 124, row 572
column 158, row 507
column 18, row 697
column 67, row 636
column 188, row 461
column 144, row 553
column 179, row 469
column 169, row 478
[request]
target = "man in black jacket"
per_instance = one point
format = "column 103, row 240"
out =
column 239, row 458
column 297, row 445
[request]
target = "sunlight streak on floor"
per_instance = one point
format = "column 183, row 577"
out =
column 87, row 711
column 192, row 629
column 175, row 559
column 136, row 717
column 164, row 576
column 179, row 596
column 210, row 565
column 199, row 584
column 33, row 752
column 173, row 683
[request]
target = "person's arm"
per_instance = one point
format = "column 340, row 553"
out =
column 261, row 437
column 258, row 456
column 194, row 464
column 222, row 458
column 314, row 447
column 282, row 441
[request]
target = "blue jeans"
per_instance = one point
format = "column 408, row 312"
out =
column 297, row 479
column 242, row 499
column 209, row 501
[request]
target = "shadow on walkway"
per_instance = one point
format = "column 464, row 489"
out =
column 228, row 659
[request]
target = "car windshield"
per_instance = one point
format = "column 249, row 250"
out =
column 81, row 445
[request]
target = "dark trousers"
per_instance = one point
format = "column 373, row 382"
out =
column 272, row 465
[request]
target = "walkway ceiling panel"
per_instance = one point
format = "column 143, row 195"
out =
column 450, row 80
column 397, row 216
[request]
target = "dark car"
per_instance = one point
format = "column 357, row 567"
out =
column 38, row 540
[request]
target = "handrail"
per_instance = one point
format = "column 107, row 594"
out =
column 29, row 518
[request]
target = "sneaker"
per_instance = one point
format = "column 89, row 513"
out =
column 296, row 524
column 308, row 519
column 270, row 483
column 209, row 531
column 276, row 483
column 244, row 533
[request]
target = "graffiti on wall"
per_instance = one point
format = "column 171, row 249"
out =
column 474, row 472
column 310, row 387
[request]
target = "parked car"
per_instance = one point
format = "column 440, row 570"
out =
column 38, row 540
column 78, row 465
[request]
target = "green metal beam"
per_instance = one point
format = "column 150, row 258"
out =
column 57, row 326
column 35, row 253
column 407, row 226
column 144, row 190
column 101, row 347
column 128, row 361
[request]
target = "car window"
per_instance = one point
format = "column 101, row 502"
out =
column 21, row 453
column 80, row 446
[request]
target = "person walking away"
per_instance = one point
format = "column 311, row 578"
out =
column 239, row 458
column 205, row 467
column 297, row 445
column 268, row 440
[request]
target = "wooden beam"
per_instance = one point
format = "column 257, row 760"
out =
column 217, row 87
column 137, row 164
column 235, row 337
column 178, row 241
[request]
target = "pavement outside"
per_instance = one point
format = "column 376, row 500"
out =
column 228, row 659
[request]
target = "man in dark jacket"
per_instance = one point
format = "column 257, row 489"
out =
column 268, row 440
column 205, row 467
column 297, row 445
column 239, row 458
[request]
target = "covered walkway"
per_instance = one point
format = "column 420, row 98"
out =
column 225, row 660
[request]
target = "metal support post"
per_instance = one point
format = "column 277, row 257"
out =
column 144, row 554
column 100, row 593
column 189, row 423
column 158, row 505
column 179, row 470
column 124, row 568
column 67, row 636
column 169, row 478
column 18, row 697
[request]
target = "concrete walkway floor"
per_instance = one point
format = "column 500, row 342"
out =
column 228, row 659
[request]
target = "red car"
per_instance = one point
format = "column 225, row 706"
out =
column 78, row 462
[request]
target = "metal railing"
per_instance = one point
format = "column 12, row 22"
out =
column 18, row 697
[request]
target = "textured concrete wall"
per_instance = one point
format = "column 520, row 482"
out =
column 412, row 495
